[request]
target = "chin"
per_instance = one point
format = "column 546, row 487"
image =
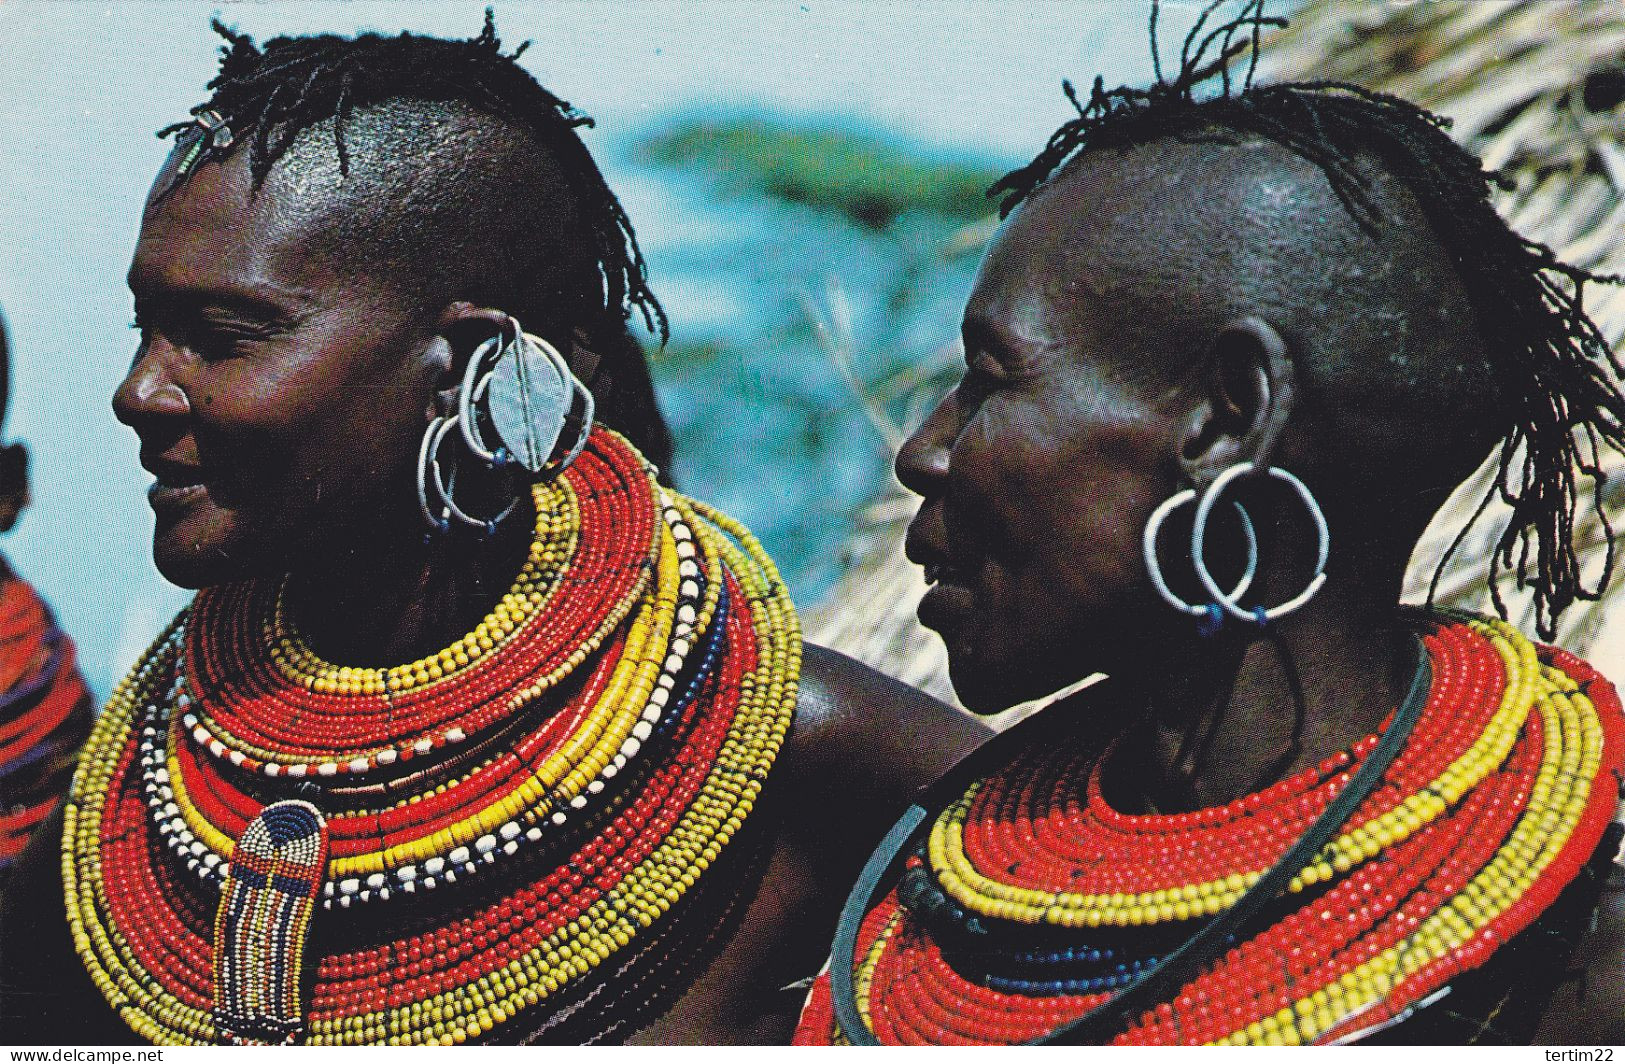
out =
column 981, row 687
column 197, row 562
column 200, row 544
column 186, row 570
column 986, row 686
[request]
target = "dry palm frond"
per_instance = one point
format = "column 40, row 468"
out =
column 1535, row 89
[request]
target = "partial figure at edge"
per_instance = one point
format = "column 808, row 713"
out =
column 45, row 708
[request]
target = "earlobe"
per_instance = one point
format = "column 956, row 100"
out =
column 464, row 326
column 443, row 364
column 1243, row 404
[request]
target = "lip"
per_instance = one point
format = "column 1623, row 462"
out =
column 163, row 496
column 945, row 606
column 949, row 599
column 935, row 560
column 176, row 484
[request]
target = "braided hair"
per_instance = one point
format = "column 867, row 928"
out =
column 272, row 94
column 1551, row 363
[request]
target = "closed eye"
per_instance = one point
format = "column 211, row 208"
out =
column 207, row 336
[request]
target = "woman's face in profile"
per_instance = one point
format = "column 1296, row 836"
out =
column 278, row 397
column 1039, row 471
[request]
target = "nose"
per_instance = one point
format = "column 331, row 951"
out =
column 148, row 391
column 922, row 463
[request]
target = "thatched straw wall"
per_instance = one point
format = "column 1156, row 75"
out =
column 1538, row 89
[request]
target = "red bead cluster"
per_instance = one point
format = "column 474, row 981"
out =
column 45, row 713
column 254, row 709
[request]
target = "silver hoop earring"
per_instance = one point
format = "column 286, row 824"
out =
column 1154, row 567
column 432, row 479
column 1229, row 603
column 440, row 522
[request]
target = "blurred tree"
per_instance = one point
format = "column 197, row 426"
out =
column 849, row 253
column 867, row 179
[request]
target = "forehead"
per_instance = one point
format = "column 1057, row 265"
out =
column 215, row 232
column 1057, row 261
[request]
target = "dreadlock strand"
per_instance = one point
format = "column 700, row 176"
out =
column 1156, row 53
column 487, row 37
column 1188, row 63
column 342, row 109
column 1256, row 12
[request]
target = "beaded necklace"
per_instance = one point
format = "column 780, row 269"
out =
column 45, row 713
column 531, row 811
column 1027, row 903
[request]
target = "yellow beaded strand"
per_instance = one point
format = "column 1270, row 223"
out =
column 557, row 522
column 863, row 977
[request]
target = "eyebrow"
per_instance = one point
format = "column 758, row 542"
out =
column 190, row 299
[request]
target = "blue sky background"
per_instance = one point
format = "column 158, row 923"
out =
column 85, row 85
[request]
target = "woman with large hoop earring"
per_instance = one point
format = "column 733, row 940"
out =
column 1225, row 358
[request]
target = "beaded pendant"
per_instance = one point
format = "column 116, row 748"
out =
column 1030, row 902
column 265, row 909
column 264, row 846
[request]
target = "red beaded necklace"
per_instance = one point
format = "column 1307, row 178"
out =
column 256, row 709
column 45, row 713
column 1034, row 901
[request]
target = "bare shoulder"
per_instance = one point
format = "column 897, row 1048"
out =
column 1587, row 1009
column 861, row 745
column 861, row 736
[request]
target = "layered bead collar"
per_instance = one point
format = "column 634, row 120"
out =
column 1026, row 908
column 536, row 803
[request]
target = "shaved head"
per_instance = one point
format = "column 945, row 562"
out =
column 447, row 201
column 1179, row 239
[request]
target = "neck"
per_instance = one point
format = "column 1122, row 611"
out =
column 403, row 597
column 1241, row 715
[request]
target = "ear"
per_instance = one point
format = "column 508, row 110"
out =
column 462, row 327
column 13, row 484
column 1246, row 397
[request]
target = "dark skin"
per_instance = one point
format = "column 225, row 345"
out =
column 279, row 399
column 1113, row 358
column 13, row 456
